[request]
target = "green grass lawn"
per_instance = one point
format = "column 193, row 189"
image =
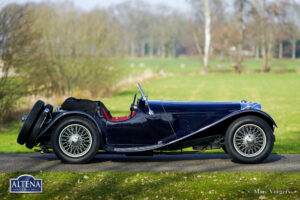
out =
column 279, row 95
column 193, row 65
column 159, row 185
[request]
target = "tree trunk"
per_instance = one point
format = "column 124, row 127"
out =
column 263, row 50
column 269, row 55
column 163, row 50
column 265, row 67
column 174, row 49
column 171, row 51
column 196, row 40
column 150, row 48
column 271, row 40
column 241, row 37
column 132, row 49
column 167, row 50
column 257, row 52
column 157, row 52
column 225, row 52
column 294, row 44
column 143, row 49
column 280, row 50
column 207, row 35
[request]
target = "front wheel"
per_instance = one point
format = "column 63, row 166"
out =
column 249, row 139
column 76, row 140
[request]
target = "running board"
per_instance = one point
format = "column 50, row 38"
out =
column 137, row 149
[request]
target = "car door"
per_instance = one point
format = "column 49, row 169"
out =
column 134, row 131
column 142, row 129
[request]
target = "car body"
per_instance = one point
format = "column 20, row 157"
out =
column 153, row 125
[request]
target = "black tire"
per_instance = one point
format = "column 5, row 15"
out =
column 73, row 121
column 31, row 142
column 263, row 152
column 29, row 122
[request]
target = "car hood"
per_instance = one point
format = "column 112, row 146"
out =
column 194, row 106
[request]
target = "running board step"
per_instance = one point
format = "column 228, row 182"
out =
column 137, row 149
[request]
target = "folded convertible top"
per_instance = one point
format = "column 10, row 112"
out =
column 85, row 105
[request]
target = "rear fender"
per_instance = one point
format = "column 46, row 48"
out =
column 65, row 114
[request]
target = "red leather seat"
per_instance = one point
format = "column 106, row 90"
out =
column 114, row 119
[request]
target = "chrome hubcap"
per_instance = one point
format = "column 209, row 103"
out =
column 75, row 140
column 249, row 140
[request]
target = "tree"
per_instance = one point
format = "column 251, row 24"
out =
column 207, row 35
column 281, row 32
column 266, row 64
column 293, row 16
column 241, row 5
column 260, row 12
column 14, row 24
column 70, row 49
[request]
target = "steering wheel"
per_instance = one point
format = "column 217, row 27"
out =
column 132, row 105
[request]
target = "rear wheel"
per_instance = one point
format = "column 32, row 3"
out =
column 76, row 140
column 249, row 139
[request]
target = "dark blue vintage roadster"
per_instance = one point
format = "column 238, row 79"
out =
column 78, row 129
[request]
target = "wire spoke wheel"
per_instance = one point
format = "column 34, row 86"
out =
column 75, row 140
column 249, row 140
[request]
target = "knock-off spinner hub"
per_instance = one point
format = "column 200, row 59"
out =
column 75, row 140
column 249, row 140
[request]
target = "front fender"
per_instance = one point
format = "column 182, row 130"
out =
column 65, row 114
column 256, row 112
